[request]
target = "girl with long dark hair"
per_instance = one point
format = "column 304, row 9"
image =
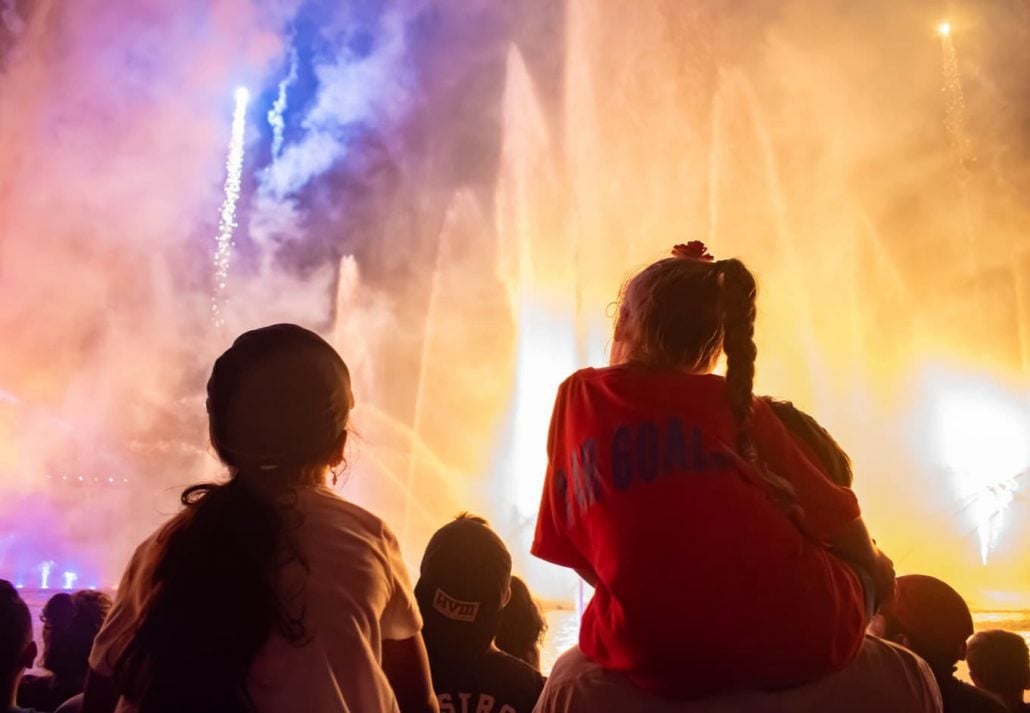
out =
column 267, row 592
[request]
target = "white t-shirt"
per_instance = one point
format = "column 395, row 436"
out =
column 357, row 593
column 884, row 678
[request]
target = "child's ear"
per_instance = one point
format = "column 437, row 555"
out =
column 507, row 596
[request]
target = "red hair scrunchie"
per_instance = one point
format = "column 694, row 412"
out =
column 694, row 250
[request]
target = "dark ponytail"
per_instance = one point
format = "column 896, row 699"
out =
column 215, row 604
column 739, row 293
column 278, row 402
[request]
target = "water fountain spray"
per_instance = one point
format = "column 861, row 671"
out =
column 227, row 216
column 44, row 568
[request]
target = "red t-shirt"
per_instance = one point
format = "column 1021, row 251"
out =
column 703, row 583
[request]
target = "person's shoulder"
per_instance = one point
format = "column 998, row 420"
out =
column 511, row 679
column 887, row 658
column 322, row 501
column 515, row 668
column 577, row 684
column 586, row 375
column 570, row 667
column 32, row 681
column 635, row 376
column 965, row 698
column 882, row 648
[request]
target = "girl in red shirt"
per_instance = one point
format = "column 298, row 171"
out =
column 715, row 543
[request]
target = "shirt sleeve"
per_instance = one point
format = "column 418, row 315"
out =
column 827, row 508
column 401, row 618
column 552, row 541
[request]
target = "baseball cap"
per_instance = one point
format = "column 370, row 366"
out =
column 464, row 578
column 932, row 615
column 279, row 395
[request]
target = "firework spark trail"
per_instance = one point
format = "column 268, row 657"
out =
column 954, row 97
column 275, row 114
column 227, row 217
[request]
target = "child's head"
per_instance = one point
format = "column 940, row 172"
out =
column 278, row 401
column 70, row 624
column 929, row 617
column 829, row 455
column 17, row 650
column 464, row 583
column 999, row 662
column 682, row 312
column 522, row 625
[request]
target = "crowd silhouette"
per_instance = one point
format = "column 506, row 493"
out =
column 731, row 565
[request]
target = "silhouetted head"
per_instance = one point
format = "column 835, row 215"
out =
column 278, row 401
column 522, row 625
column 464, row 582
column 930, row 618
column 682, row 312
column 17, row 650
column 70, row 624
column 1000, row 663
column 833, row 460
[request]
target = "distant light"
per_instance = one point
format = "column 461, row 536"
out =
column 68, row 579
column 20, row 585
column 944, row 29
column 241, row 95
column 978, row 433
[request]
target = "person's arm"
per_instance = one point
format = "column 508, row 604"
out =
column 830, row 512
column 856, row 546
column 406, row 665
column 100, row 695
